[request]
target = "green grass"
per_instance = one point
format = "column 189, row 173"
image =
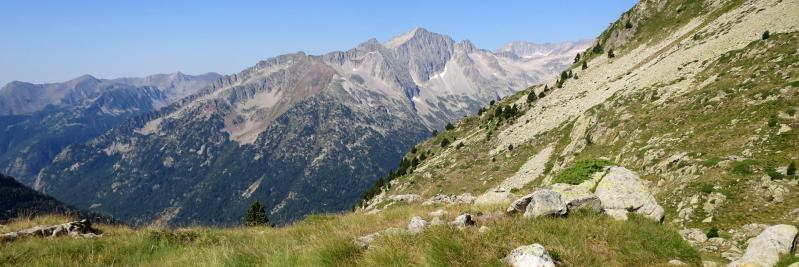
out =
column 580, row 171
column 582, row 239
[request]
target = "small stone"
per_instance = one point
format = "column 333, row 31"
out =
column 534, row 255
column 417, row 225
column 677, row 263
column 463, row 221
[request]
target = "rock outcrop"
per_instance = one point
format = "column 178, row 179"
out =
column 82, row 228
column 417, row 225
column 618, row 191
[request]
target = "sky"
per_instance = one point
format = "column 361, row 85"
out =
column 52, row 41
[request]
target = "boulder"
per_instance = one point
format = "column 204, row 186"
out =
column 578, row 197
column 622, row 190
column 82, row 228
column 765, row 249
column 534, row 255
column 417, row 225
column 693, row 235
column 520, row 204
column 545, row 202
column 436, row 221
column 463, row 221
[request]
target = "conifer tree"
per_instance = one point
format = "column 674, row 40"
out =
column 256, row 215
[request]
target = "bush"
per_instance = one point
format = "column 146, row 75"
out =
column 434, row 133
column 766, row 35
column 706, row 188
column 628, row 25
column 580, row 171
column 585, row 65
column 791, row 169
column 510, row 147
column 711, row 162
column 742, row 167
column 611, row 54
column 459, row 146
column 445, row 142
column 774, row 174
column 713, row 232
column 772, row 122
column 449, row 127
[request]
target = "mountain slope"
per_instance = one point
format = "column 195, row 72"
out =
column 20, row 201
column 43, row 119
column 301, row 133
column 694, row 99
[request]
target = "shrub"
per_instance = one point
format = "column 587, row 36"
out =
column 491, row 103
column 628, row 25
column 577, row 58
column 459, row 146
column 791, row 169
column 585, row 65
column 713, row 232
column 742, row 167
column 772, row 122
column 706, row 188
column 445, row 142
column 611, row 54
column 711, row 162
column 449, row 127
column 580, row 171
column 791, row 111
column 766, row 35
column 510, row 147
column 413, row 150
column 434, row 133
column 774, row 174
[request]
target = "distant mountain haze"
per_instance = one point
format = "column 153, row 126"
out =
column 301, row 133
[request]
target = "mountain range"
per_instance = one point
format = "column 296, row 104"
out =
column 301, row 133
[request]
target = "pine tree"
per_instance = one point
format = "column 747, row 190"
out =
column 628, row 25
column 445, row 142
column 531, row 97
column 434, row 133
column 766, row 35
column 791, row 169
column 449, row 126
column 585, row 65
column 610, row 53
column 577, row 58
column 256, row 215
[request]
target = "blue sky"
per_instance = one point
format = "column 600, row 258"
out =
column 49, row 41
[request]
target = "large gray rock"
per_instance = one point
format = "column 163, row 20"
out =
column 519, row 205
column 765, row 249
column 82, row 228
column 405, row 198
column 417, row 225
column 545, row 202
column 622, row 190
column 577, row 197
column 534, row 255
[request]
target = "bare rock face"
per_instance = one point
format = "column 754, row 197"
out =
column 82, row 228
column 766, row 248
column 578, row 197
column 534, row 255
column 622, row 191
